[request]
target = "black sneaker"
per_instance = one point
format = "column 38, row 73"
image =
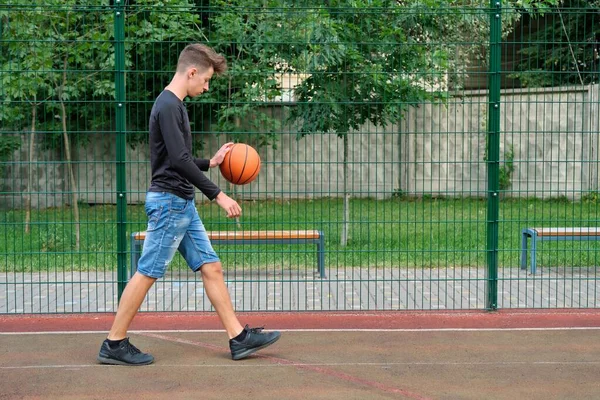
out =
column 254, row 341
column 125, row 354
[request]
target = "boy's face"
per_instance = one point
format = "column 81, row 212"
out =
column 198, row 80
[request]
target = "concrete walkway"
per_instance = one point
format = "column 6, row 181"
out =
column 343, row 289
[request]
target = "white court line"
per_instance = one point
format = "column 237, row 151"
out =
column 276, row 365
column 574, row 328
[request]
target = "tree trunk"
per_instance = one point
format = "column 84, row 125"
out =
column 345, row 222
column 71, row 175
column 68, row 152
column 30, row 169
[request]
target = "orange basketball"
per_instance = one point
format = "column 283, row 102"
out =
column 241, row 165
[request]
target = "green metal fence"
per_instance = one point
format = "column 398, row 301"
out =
column 421, row 138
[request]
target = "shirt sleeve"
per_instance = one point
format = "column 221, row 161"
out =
column 179, row 156
column 202, row 163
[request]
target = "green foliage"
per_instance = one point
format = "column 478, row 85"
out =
column 254, row 36
column 154, row 38
column 507, row 169
column 398, row 194
column 336, row 45
column 562, row 48
column 367, row 60
column 559, row 200
column 359, row 68
column 55, row 53
column 53, row 239
column 591, row 198
column 77, row 37
column 534, row 7
column 8, row 145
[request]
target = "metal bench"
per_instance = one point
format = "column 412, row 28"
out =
column 247, row 238
column 539, row 234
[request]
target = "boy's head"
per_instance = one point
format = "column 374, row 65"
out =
column 198, row 63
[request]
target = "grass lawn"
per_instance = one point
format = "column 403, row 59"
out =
column 415, row 233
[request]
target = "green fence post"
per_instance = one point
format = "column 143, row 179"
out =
column 493, row 152
column 119, row 27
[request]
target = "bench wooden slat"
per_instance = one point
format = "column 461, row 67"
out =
column 256, row 235
column 567, row 231
column 247, row 238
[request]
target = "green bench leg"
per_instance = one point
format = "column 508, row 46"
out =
column 526, row 234
column 533, row 253
column 321, row 254
column 524, row 237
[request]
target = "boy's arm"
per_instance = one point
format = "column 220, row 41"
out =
column 180, row 158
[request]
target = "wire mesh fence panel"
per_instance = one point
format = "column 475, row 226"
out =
column 405, row 150
column 549, row 173
column 56, row 252
column 369, row 125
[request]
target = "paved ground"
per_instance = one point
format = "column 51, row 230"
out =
column 343, row 289
column 551, row 356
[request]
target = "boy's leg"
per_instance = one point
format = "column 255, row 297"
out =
column 216, row 290
column 131, row 300
column 117, row 349
column 168, row 220
column 200, row 255
column 196, row 249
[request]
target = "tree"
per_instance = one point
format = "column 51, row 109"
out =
column 26, row 83
column 368, row 60
column 365, row 63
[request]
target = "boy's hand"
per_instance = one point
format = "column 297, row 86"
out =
column 228, row 204
column 220, row 155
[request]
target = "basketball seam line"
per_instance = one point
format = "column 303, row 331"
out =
column 253, row 174
column 229, row 173
column 243, row 168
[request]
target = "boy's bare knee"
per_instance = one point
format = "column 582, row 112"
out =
column 138, row 277
column 212, row 270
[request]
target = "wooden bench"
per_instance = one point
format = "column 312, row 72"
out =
column 247, row 238
column 539, row 234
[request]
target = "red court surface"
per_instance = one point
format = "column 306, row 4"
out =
column 374, row 355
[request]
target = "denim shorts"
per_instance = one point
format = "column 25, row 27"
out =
column 173, row 224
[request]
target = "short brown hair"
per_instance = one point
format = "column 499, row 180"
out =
column 201, row 56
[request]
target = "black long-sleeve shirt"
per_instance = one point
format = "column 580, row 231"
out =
column 174, row 170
